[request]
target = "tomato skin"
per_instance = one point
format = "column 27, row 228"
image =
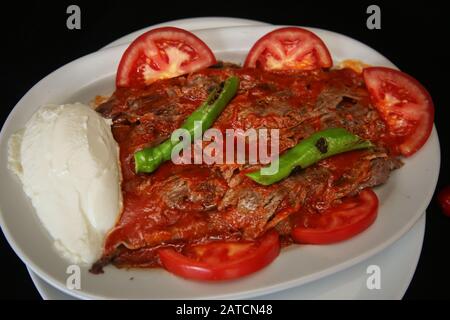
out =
column 404, row 104
column 274, row 48
column 218, row 266
column 160, row 53
column 339, row 223
column 444, row 200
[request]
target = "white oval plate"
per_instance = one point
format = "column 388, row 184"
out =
column 397, row 262
column 403, row 198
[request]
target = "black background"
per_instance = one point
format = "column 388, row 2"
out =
column 413, row 36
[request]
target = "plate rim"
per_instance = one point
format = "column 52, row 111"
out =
column 242, row 22
column 39, row 282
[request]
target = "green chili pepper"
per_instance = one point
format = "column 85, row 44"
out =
column 318, row 146
column 149, row 159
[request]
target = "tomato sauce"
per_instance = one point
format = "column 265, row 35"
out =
column 181, row 204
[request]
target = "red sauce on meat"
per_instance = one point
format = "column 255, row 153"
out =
column 179, row 204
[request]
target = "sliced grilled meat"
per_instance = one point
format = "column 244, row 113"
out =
column 196, row 203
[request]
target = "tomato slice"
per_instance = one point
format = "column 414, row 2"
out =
column 339, row 223
column 162, row 53
column 222, row 260
column 289, row 48
column 404, row 104
column 444, row 200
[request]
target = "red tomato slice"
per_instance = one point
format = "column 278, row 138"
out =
column 444, row 200
column 404, row 104
column 162, row 53
column 339, row 223
column 222, row 260
column 289, row 48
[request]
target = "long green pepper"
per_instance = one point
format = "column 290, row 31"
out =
column 318, row 146
column 149, row 159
